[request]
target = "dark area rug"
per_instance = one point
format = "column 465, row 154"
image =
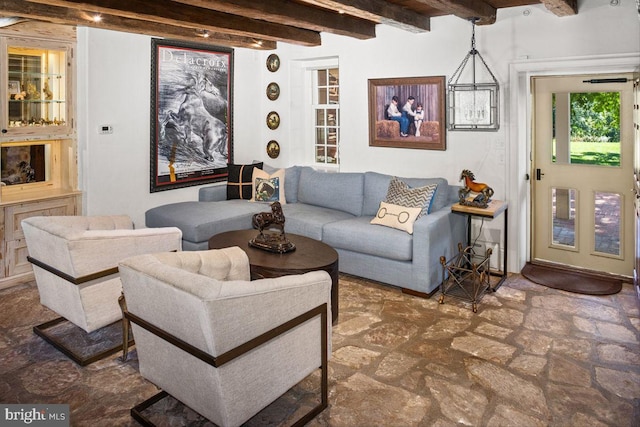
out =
column 582, row 283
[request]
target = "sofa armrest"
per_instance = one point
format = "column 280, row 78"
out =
column 435, row 235
column 214, row 193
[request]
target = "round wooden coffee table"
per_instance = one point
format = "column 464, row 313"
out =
column 310, row 255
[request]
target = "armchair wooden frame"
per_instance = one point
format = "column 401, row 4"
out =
column 218, row 361
column 42, row 329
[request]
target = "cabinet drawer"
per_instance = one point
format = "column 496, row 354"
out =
column 15, row 214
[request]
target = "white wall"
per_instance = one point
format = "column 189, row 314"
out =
column 114, row 70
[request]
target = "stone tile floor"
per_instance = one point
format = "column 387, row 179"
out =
column 530, row 356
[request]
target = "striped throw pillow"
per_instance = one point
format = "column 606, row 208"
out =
column 399, row 193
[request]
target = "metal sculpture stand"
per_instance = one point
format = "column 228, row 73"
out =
column 466, row 276
column 271, row 241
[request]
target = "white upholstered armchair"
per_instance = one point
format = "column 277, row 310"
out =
column 223, row 345
column 75, row 262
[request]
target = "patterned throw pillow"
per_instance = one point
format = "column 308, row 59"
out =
column 240, row 181
column 399, row 193
column 395, row 216
column 267, row 190
column 262, row 186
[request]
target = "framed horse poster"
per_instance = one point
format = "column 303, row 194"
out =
column 191, row 114
column 407, row 113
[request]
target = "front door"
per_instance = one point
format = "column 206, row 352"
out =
column 583, row 210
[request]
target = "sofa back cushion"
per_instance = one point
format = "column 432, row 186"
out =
column 291, row 182
column 340, row 191
column 377, row 184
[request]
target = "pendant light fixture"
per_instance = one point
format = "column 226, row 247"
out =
column 473, row 105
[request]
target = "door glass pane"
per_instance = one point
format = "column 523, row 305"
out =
column 563, row 202
column 607, row 222
column 586, row 128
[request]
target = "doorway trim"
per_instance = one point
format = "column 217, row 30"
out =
column 518, row 187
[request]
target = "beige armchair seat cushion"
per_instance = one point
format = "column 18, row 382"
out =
column 83, row 245
column 206, row 299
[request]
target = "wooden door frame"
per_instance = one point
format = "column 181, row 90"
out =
column 519, row 148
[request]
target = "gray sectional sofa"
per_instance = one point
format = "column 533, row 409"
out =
column 336, row 208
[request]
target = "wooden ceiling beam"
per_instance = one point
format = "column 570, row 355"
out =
column 465, row 9
column 379, row 11
column 171, row 13
column 562, row 7
column 286, row 12
column 65, row 16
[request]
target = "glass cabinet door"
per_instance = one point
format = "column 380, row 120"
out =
column 37, row 88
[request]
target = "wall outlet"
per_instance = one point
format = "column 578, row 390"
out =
column 480, row 248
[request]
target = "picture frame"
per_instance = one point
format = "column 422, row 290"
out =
column 273, row 120
column 273, row 63
column 273, row 149
column 14, row 87
column 191, row 114
column 430, row 132
column 273, row 91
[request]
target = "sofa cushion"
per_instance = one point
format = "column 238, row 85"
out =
column 292, row 182
column 399, row 193
column 201, row 220
column 384, row 242
column 268, row 187
column 395, row 216
column 341, row 191
column 240, row 180
column 376, row 186
column 309, row 220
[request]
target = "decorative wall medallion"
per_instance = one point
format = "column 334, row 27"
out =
column 273, row 120
column 273, row 91
column 273, row 63
column 273, row 149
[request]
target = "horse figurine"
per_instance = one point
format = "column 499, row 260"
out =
column 271, row 241
column 484, row 191
column 266, row 220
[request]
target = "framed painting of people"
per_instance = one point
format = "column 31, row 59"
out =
column 407, row 113
column 191, row 114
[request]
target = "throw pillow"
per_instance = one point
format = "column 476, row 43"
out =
column 400, row 217
column 267, row 190
column 266, row 181
column 399, row 193
column 240, row 181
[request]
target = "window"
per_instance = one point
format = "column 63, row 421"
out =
column 326, row 111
